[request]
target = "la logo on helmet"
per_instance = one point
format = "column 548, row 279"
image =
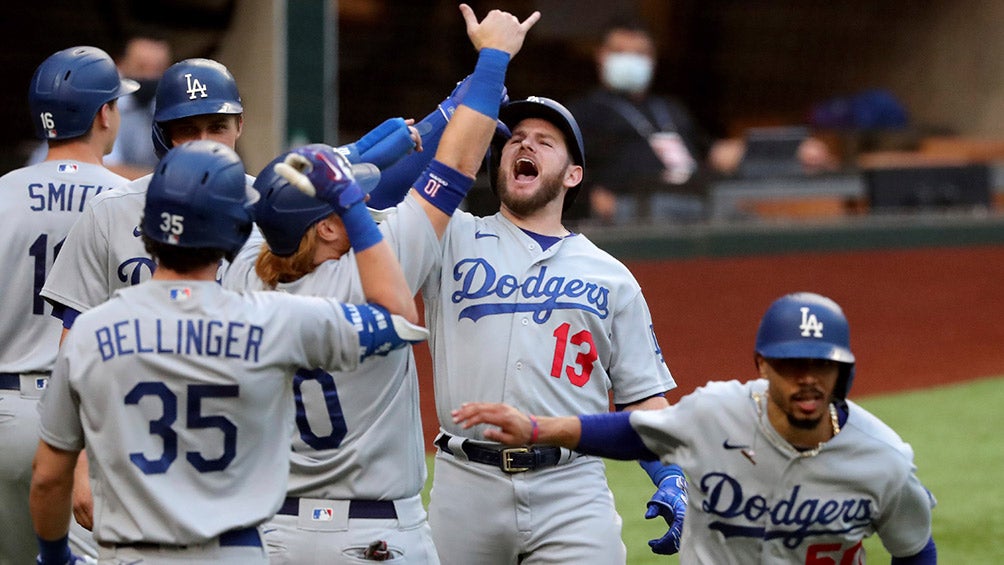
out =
column 811, row 327
column 195, row 86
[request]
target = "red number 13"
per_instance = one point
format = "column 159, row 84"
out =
column 583, row 359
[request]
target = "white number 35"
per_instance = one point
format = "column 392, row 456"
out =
column 172, row 223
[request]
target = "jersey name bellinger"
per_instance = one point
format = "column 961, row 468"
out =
column 478, row 280
column 210, row 338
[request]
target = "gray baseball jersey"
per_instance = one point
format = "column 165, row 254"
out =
column 104, row 251
column 39, row 204
column 181, row 392
column 790, row 506
column 551, row 332
column 358, row 433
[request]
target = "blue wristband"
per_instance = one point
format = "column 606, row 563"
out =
column 657, row 471
column 444, row 187
column 362, row 230
column 57, row 551
column 487, row 82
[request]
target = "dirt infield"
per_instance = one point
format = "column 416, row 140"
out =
column 919, row 317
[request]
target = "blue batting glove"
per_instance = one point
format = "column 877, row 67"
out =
column 383, row 146
column 670, row 502
column 320, row 171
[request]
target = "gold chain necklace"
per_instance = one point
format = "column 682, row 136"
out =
column 834, row 425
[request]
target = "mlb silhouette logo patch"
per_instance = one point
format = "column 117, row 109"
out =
column 181, row 293
column 67, row 167
column 323, row 515
column 41, row 383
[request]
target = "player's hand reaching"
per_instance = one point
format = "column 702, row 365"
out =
column 498, row 30
column 385, row 144
column 320, row 171
column 670, row 502
column 510, row 426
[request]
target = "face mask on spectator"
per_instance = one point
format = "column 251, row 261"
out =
column 628, row 72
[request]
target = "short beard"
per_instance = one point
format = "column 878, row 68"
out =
column 550, row 188
column 804, row 424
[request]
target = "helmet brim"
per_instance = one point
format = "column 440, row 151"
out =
column 806, row 350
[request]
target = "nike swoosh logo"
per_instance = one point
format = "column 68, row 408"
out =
column 268, row 531
column 479, row 235
column 136, row 232
column 728, row 445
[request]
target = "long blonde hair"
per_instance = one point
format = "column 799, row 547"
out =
column 273, row 269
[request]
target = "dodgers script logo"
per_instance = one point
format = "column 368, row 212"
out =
column 791, row 518
column 195, row 86
column 136, row 270
column 479, row 281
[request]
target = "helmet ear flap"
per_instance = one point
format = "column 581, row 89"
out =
column 161, row 142
column 494, row 157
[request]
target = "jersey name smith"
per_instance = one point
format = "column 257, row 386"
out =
column 202, row 337
column 479, row 281
column 792, row 518
column 50, row 196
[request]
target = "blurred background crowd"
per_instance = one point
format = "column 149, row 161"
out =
column 693, row 110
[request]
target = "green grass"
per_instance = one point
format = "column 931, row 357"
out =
column 956, row 437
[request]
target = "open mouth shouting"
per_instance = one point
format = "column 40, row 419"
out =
column 525, row 170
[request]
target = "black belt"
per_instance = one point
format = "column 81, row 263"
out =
column 241, row 537
column 10, row 381
column 509, row 459
column 364, row 509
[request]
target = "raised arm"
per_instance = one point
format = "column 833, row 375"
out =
column 322, row 172
column 443, row 185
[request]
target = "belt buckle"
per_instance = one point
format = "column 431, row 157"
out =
column 507, row 455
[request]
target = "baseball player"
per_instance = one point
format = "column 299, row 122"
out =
column 180, row 388
column 357, row 467
column 782, row 469
column 521, row 310
column 73, row 97
column 196, row 99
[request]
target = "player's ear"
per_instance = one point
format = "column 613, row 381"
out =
column 103, row 119
column 573, row 175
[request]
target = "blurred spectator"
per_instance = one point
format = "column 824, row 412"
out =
column 648, row 157
column 143, row 59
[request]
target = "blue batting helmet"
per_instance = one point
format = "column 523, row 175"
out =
column 192, row 87
column 549, row 110
column 198, row 197
column 69, row 88
column 284, row 214
column 805, row 325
